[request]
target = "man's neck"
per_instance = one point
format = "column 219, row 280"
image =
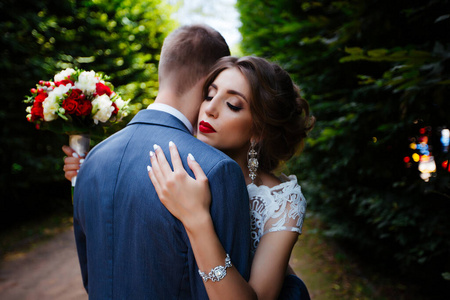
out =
column 188, row 103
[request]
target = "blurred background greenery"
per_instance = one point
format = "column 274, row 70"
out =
column 39, row 38
column 376, row 74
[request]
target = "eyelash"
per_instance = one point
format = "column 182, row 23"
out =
column 230, row 106
column 234, row 108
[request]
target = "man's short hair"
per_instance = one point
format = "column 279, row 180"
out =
column 188, row 53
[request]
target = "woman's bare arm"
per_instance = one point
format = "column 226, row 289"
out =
column 188, row 199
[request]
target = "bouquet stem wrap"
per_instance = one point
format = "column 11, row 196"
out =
column 79, row 143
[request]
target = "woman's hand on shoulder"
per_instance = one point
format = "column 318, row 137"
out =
column 188, row 199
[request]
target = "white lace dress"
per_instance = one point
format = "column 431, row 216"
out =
column 280, row 208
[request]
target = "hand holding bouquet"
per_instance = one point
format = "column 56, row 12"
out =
column 76, row 102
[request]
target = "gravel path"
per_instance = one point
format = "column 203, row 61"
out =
column 51, row 272
column 48, row 272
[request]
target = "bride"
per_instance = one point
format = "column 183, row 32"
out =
column 254, row 113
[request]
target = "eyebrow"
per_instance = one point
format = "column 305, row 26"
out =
column 232, row 92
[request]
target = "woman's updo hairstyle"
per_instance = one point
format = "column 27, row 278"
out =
column 280, row 115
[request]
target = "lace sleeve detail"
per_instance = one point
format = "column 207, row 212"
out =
column 288, row 209
column 280, row 208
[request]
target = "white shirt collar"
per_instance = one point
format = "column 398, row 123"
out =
column 174, row 112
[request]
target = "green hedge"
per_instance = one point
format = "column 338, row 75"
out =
column 38, row 39
column 375, row 73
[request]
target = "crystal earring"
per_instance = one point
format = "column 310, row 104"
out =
column 252, row 161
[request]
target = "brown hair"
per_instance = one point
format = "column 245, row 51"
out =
column 280, row 115
column 188, row 53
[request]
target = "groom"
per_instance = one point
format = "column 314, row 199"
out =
column 129, row 245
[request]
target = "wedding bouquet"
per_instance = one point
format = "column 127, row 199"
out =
column 77, row 101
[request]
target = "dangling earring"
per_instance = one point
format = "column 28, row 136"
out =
column 252, row 161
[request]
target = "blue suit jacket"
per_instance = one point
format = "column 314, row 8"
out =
column 129, row 245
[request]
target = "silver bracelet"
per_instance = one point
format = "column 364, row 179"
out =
column 217, row 273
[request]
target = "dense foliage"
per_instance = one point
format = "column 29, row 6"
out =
column 121, row 38
column 376, row 74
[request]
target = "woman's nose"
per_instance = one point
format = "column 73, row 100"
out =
column 211, row 108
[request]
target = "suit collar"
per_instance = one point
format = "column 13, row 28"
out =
column 174, row 112
column 156, row 117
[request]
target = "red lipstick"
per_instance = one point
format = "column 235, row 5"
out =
column 205, row 127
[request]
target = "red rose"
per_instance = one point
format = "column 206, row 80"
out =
column 40, row 97
column 116, row 109
column 37, row 111
column 76, row 94
column 102, row 89
column 84, row 108
column 70, row 105
column 64, row 82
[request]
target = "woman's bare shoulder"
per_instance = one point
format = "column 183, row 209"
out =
column 268, row 179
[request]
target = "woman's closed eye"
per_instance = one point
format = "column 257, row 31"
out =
column 212, row 91
column 233, row 107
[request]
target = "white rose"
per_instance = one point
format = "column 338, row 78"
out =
column 102, row 108
column 50, row 106
column 86, row 82
column 119, row 102
column 64, row 74
column 59, row 91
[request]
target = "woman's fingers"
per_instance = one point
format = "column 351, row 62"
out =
column 154, row 172
column 161, row 174
column 72, row 163
column 70, row 174
column 195, row 167
column 153, row 178
column 71, row 167
column 67, row 150
column 185, row 197
column 164, row 166
column 73, row 159
column 175, row 156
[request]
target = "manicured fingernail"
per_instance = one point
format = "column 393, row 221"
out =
column 78, row 171
column 171, row 144
column 155, row 147
column 152, row 153
column 191, row 157
column 149, row 168
column 82, row 155
column 81, row 161
column 75, row 155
